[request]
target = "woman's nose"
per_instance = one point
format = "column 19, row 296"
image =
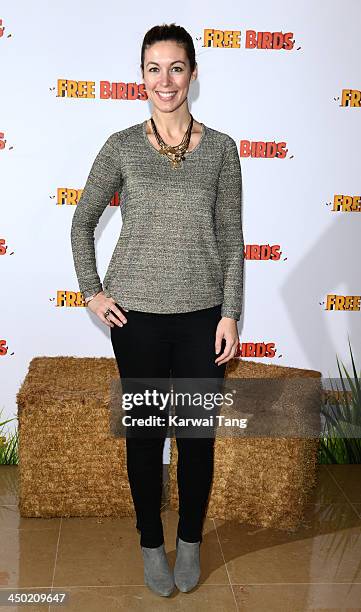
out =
column 165, row 79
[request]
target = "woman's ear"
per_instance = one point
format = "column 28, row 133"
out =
column 195, row 72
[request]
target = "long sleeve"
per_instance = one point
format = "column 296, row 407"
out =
column 104, row 180
column 228, row 225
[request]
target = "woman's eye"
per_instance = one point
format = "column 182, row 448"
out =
column 174, row 67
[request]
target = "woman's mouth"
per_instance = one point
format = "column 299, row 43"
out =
column 166, row 95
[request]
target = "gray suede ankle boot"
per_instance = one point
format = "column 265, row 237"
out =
column 187, row 565
column 157, row 573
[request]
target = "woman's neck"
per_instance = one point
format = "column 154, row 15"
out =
column 172, row 125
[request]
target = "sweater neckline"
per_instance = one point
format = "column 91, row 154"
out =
column 193, row 151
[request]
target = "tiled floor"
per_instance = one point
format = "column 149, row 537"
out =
column 99, row 562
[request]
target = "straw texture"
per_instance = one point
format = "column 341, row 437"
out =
column 264, row 481
column 73, row 464
column 70, row 463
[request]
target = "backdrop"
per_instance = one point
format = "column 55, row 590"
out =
column 279, row 77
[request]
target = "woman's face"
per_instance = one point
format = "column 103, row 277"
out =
column 167, row 69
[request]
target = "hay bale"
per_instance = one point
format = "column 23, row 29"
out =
column 70, row 462
column 262, row 478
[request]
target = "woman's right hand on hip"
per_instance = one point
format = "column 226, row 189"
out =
column 100, row 304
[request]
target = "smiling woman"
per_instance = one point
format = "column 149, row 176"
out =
column 168, row 68
column 173, row 289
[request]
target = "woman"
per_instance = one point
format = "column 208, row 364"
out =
column 172, row 293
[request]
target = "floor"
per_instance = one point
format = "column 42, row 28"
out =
column 98, row 560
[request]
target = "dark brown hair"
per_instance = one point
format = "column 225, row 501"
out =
column 170, row 32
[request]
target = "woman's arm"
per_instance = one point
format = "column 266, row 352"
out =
column 104, row 180
column 228, row 225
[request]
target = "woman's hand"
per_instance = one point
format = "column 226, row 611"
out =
column 227, row 329
column 100, row 304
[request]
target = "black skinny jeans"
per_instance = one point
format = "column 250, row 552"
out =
column 157, row 345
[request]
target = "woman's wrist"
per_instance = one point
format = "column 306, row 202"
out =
column 87, row 300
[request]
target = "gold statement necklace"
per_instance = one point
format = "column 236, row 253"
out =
column 175, row 154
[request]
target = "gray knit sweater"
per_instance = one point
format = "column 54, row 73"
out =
column 180, row 247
